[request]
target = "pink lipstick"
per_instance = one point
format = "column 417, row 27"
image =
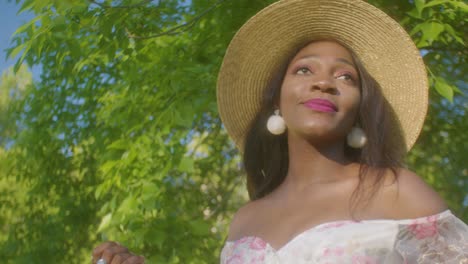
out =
column 321, row 105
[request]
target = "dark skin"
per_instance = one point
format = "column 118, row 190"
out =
column 321, row 70
column 114, row 253
column 320, row 179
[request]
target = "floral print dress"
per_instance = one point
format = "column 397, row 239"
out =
column 440, row 238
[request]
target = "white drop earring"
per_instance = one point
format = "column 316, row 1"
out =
column 276, row 124
column 356, row 138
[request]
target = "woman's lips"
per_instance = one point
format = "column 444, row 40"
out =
column 321, row 105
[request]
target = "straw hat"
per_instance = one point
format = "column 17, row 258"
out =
column 266, row 41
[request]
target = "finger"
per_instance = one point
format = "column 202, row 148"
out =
column 120, row 258
column 109, row 253
column 135, row 260
column 97, row 252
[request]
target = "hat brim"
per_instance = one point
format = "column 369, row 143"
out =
column 266, row 41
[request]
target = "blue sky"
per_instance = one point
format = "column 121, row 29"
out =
column 9, row 22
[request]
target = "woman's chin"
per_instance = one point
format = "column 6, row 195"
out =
column 319, row 134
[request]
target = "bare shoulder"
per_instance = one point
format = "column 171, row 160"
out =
column 242, row 219
column 413, row 197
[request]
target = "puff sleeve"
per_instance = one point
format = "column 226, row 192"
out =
column 440, row 238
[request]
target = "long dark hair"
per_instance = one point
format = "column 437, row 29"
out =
column 266, row 157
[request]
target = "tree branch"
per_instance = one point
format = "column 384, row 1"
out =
column 446, row 48
column 180, row 28
column 142, row 3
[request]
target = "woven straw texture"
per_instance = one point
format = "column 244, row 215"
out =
column 269, row 38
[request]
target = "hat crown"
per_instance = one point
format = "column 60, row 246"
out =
column 267, row 40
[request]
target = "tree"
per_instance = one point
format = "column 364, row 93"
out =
column 12, row 200
column 438, row 28
column 121, row 139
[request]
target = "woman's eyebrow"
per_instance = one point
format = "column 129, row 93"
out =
column 342, row 60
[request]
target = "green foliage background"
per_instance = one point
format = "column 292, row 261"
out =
column 120, row 137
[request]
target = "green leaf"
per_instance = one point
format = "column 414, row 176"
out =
column 129, row 156
column 456, row 89
column 431, row 32
column 128, row 204
column 143, row 58
column 463, row 6
column 158, row 235
column 436, row 2
column 18, row 65
column 449, row 29
column 25, row 6
column 27, row 25
column 121, row 144
column 414, row 13
column 200, row 228
column 186, row 164
column 419, row 5
column 108, row 166
column 416, row 29
column 444, row 89
column 105, row 222
column 59, row 24
column 13, row 52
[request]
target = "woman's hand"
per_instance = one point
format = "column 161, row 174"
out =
column 114, row 253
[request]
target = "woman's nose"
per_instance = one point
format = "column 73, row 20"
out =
column 324, row 84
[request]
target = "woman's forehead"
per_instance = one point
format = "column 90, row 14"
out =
column 324, row 49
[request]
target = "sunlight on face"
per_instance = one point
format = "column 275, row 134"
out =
column 320, row 93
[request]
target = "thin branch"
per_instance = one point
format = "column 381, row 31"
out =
column 227, row 194
column 180, row 28
column 142, row 3
column 447, row 48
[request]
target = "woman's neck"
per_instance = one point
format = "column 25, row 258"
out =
column 311, row 164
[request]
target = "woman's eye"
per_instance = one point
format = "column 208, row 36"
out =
column 347, row 77
column 302, row 71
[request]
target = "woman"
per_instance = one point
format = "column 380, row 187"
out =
column 324, row 98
